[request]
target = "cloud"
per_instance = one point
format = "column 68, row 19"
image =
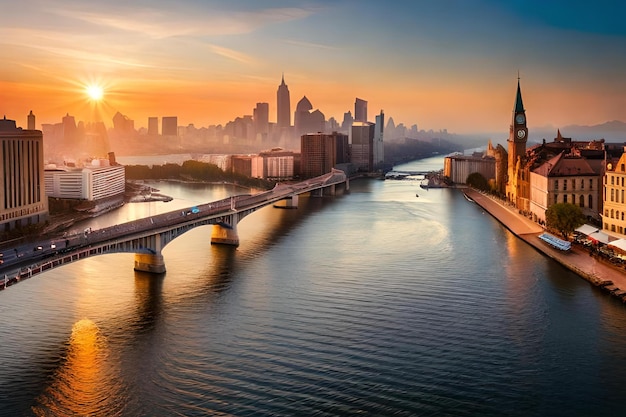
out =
column 184, row 21
column 312, row 45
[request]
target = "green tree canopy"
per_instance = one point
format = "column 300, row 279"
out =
column 478, row 181
column 564, row 217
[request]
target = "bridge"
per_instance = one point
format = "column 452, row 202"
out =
column 147, row 237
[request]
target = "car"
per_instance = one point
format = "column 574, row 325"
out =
column 53, row 246
column 38, row 248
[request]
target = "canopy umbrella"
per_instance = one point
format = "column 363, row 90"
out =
column 586, row 229
column 599, row 237
column 619, row 244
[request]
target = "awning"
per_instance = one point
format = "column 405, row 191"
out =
column 587, row 229
column 600, row 237
column 619, row 244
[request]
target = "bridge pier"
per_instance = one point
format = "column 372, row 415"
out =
column 147, row 262
column 223, row 235
column 292, row 202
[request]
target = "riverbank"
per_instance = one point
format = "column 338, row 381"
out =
column 600, row 273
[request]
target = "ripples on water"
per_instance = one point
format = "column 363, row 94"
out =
column 375, row 303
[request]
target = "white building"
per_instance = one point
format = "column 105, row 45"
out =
column 89, row 183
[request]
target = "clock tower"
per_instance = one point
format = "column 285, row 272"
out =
column 518, row 135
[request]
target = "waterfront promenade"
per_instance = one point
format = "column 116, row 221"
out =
column 578, row 259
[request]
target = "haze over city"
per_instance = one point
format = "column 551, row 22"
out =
column 442, row 65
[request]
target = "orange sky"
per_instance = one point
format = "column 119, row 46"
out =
column 421, row 63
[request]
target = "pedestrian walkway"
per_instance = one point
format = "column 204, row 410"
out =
column 578, row 259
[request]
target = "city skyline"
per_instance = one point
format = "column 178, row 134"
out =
column 450, row 65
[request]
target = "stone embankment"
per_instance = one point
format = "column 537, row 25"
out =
column 599, row 272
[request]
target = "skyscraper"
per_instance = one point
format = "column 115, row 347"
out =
column 362, row 149
column 320, row 152
column 31, row 121
column 379, row 149
column 153, row 126
column 260, row 115
column 169, row 126
column 283, row 115
column 360, row 110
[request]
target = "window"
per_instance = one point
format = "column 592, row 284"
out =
column 565, row 198
column 590, row 205
column 612, row 180
column 591, row 183
column 622, row 167
column 612, row 194
column 556, row 198
column 622, row 216
column 556, row 185
column 622, row 196
column 582, row 184
column 564, row 185
column 612, row 214
column 573, row 184
column 581, row 201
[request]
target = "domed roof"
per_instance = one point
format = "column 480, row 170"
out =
column 304, row 105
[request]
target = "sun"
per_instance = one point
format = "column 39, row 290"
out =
column 95, row 92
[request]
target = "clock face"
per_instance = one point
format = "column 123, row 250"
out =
column 521, row 134
column 519, row 119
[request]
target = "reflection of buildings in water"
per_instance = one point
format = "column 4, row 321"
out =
column 85, row 384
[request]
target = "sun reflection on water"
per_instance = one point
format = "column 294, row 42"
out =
column 84, row 384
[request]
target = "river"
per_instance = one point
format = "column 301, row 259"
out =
column 374, row 302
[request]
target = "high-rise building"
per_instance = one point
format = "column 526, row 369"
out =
column 260, row 116
column 320, row 152
column 307, row 120
column 153, row 126
column 347, row 122
column 362, row 149
column 379, row 146
column 31, row 121
column 169, row 126
column 360, row 110
column 283, row 111
column 23, row 199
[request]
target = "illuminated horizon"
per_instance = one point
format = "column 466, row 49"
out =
column 441, row 66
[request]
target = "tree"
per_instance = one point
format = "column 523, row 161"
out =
column 478, row 181
column 564, row 217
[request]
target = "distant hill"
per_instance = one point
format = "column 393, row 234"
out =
column 613, row 131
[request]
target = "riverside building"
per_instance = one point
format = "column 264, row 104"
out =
column 93, row 182
column 614, row 215
column 23, row 200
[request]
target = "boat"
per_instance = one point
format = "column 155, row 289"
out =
column 417, row 195
column 468, row 198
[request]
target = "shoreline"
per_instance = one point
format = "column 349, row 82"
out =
column 604, row 275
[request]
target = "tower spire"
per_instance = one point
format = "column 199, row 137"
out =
column 519, row 104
